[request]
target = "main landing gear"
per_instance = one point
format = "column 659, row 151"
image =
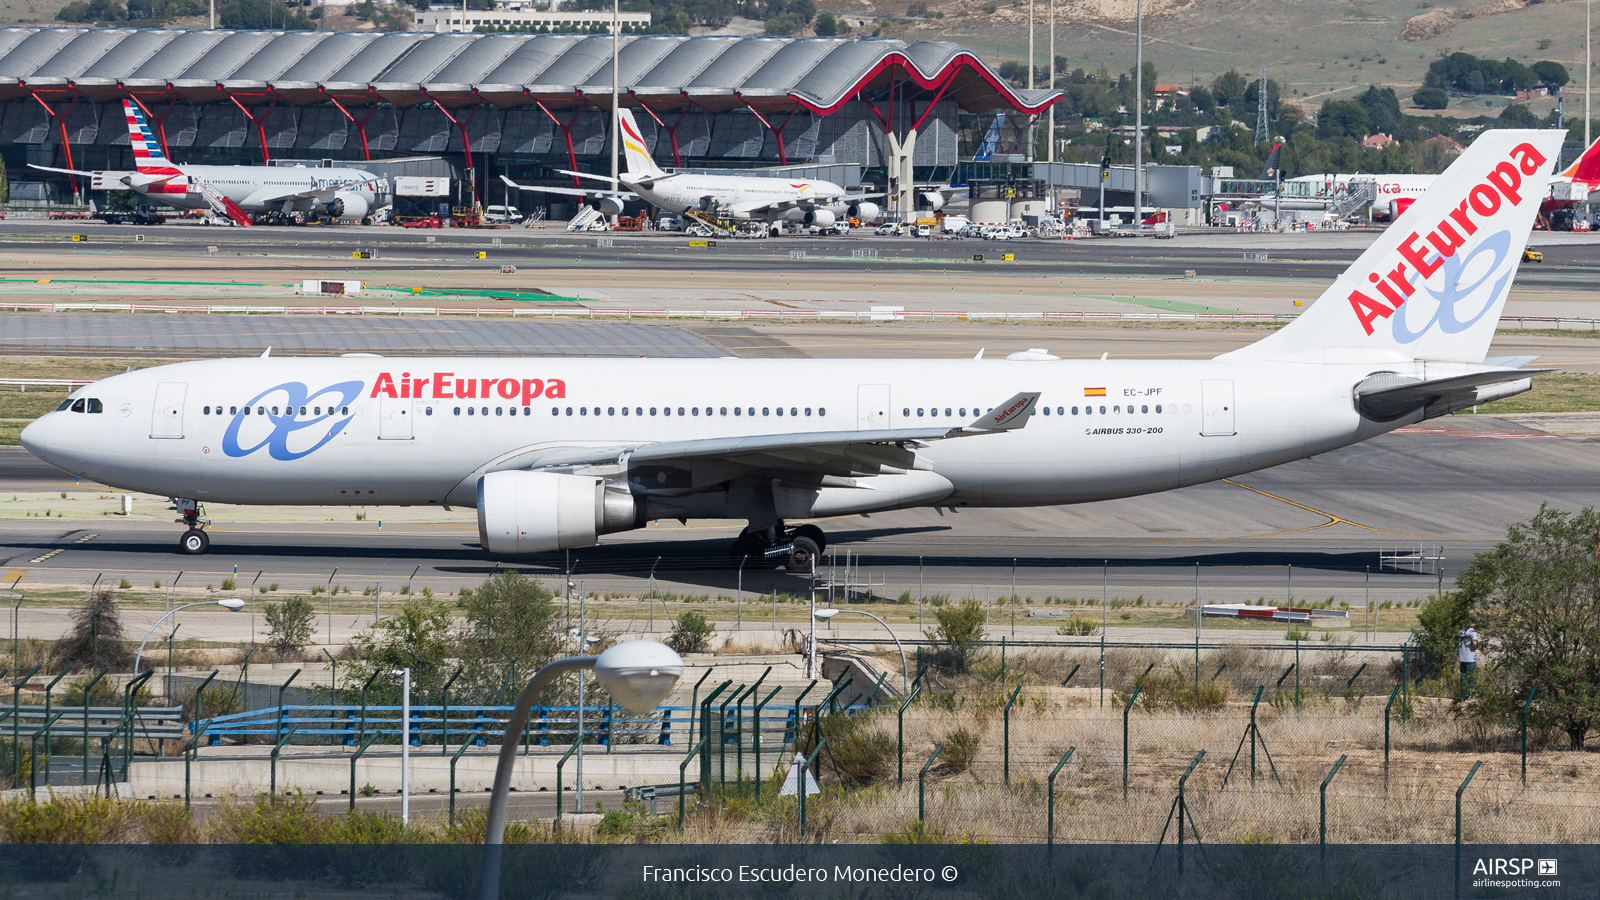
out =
column 798, row 548
column 194, row 541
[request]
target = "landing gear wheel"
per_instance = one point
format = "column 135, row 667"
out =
column 805, row 553
column 194, row 542
column 814, row 533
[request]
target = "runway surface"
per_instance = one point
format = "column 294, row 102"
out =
column 1572, row 262
column 1453, row 484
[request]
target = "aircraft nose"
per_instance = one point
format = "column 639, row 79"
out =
column 43, row 438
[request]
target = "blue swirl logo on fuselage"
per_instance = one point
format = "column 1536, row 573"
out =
column 296, row 400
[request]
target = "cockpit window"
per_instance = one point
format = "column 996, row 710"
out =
column 64, row 405
column 95, row 406
column 77, row 405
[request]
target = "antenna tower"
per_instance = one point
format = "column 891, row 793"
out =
column 1263, row 133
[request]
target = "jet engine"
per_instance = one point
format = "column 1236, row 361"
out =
column 822, row 218
column 866, row 212
column 934, row 199
column 533, row 512
column 348, row 205
column 608, row 206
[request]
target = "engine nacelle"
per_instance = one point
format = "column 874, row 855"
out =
column 865, row 211
column 934, row 199
column 534, row 512
column 349, row 205
column 822, row 218
column 608, row 206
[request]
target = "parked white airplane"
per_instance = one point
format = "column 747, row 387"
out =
column 236, row 191
column 772, row 200
column 556, row 452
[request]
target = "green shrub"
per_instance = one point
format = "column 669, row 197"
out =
column 691, row 633
column 860, row 750
column 917, row 831
column 268, row 820
column 290, row 624
column 1078, row 625
column 68, row 820
column 229, row 584
column 955, row 639
column 960, row 751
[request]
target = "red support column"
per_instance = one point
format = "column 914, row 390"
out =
column 566, row 131
column 672, row 131
column 466, row 144
column 66, row 142
column 361, row 124
column 783, row 155
column 260, row 124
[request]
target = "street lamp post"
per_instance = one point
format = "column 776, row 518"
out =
column 637, row 674
column 230, row 604
column 905, row 672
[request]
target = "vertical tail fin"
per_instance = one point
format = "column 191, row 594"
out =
column 146, row 149
column 1587, row 169
column 1432, row 286
column 640, row 165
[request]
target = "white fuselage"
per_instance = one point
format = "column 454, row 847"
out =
column 736, row 196
column 326, row 431
column 252, row 187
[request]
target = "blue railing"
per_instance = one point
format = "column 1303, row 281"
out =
column 547, row 725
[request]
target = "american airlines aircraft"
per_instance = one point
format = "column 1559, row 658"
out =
column 754, row 197
column 235, row 191
column 556, row 452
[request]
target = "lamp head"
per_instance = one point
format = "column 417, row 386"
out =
column 826, row 614
column 231, row 604
column 638, row 674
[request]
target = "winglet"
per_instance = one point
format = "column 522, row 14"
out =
column 1014, row 413
column 266, row 353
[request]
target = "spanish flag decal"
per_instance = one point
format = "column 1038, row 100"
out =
column 1094, row 392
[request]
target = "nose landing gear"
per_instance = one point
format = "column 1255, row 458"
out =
column 194, row 541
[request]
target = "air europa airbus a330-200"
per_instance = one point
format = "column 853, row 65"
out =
column 555, row 453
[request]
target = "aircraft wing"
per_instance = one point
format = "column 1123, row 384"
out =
column 838, row 453
column 328, row 191
column 61, row 171
column 570, row 192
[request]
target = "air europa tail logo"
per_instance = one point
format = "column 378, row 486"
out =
column 446, row 386
column 1500, row 188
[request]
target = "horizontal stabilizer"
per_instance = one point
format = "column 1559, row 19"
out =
column 1509, row 362
column 1387, row 396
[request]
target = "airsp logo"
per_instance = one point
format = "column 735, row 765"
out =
column 302, row 410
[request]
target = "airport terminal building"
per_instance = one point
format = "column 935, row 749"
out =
column 489, row 104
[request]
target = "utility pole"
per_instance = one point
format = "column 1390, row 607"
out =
column 1050, row 121
column 1031, row 119
column 1588, row 68
column 616, row 125
column 1263, row 130
column 1138, row 116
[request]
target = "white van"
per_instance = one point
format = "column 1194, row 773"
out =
column 953, row 224
column 501, row 215
column 924, row 231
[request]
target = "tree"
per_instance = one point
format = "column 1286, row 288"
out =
column 955, row 639
column 96, row 638
column 417, row 637
column 1518, row 116
column 1536, row 598
column 290, row 624
column 1430, row 98
column 509, row 623
column 1342, row 119
column 1552, row 75
column 262, row 15
column 827, row 25
column 691, row 633
column 1383, row 111
column 1229, row 88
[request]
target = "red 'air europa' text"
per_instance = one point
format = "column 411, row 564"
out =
column 446, row 386
column 1502, row 186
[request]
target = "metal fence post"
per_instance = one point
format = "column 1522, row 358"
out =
column 49, row 692
column 681, row 767
column 362, row 734
column 922, row 778
column 1125, row 711
column 1322, row 829
column 694, row 703
column 1050, row 828
column 559, row 763
column 900, row 737
column 1007, row 717
column 1392, row 694
column 1459, row 791
column 281, row 689
column 362, row 748
column 756, row 736
column 16, row 726
column 87, row 690
column 444, row 728
column 129, row 704
column 189, row 754
column 705, row 732
column 276, row 749
column 453, row 760
column 1531, row 691
column 1183, row 807
column 803, row 781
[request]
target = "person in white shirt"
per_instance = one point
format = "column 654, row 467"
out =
column 1468, row 655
